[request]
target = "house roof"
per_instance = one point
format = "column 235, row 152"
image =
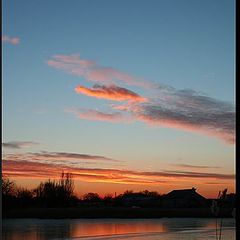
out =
column 184, row 193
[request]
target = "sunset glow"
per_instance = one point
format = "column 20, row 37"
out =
column 122, row 95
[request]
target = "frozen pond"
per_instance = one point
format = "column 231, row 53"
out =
column 136, row 229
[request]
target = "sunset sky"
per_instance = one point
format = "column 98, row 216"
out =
column 125, row 95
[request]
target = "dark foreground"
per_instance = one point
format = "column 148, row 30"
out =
column 111, row 212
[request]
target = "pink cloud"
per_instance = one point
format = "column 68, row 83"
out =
column 226, row 137
column 218, row 123
column 92, row 71
column 11, row 40
column 95, row 115
column 110, row 92
column 167, row 107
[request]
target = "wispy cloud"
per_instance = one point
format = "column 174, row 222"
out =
column 190, row 111
column 11, row 40
column 95, row 115
column 186, row 110
column 57, row 157
column 92, row 71
column 42, row 170
column 67, row 155
column 167, row 107
column 191, row 174
column 19, row 144
column 194, row 166
column 218, row 122
column 111, row 92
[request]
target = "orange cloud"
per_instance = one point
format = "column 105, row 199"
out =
column 11, row 40
column 110, row 92
column 36, row 169
column 102, row 179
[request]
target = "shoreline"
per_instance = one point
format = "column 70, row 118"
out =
column 111, row 212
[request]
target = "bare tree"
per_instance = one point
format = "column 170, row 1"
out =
column 216, row 210
column 67, row 183
column 8, row 187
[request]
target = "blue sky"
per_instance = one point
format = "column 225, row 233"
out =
column 181, row 44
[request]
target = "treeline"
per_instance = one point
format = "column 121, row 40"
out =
column 51, row 193
column 60, row 193
column 128, row 198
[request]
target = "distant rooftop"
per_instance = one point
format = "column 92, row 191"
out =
column 183, row 192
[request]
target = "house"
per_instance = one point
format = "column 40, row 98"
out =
column 184, row 198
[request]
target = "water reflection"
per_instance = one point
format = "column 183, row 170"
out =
column 35, row 229
column 120, row 226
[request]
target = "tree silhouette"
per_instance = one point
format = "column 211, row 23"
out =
column 8, row 187
column 91, row 197
column 56, row 193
